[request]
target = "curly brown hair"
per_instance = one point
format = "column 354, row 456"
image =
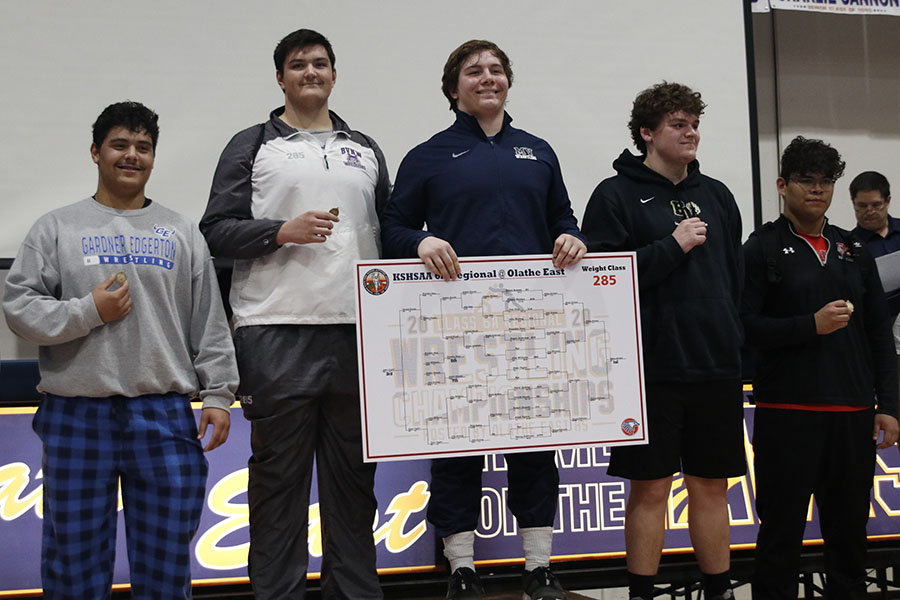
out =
column 804, row 157
column 656, row 102
column 450, row 79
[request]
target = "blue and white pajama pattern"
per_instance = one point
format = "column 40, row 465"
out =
column 150, row 442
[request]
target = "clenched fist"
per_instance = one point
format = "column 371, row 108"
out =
column 112, row 305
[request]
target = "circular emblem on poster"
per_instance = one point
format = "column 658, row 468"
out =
column 375, row 282
column 630, row 427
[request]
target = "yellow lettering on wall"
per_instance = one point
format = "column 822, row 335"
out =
column 14, row 478
column 743, row 484
column 886, row 487
column 209, row 552
column 393, row 532
column 677, row 510
column 213, row 553
column 314, row 538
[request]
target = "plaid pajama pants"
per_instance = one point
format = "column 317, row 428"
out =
column 150, row 442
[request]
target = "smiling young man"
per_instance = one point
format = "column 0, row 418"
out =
column 294, row 201
column 484, row 188
column 686, row 230
column 825, row 383
column 92, row 282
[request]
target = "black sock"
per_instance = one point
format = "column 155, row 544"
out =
column 716, row 585
column 640, row 586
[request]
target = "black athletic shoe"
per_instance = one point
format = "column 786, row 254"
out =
column 464, row 585
column 542, row 584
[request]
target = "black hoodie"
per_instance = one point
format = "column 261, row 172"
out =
column 689, row 302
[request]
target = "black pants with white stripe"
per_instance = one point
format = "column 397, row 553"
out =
column 304, row 402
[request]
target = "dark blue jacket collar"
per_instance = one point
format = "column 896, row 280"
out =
column 468, row 122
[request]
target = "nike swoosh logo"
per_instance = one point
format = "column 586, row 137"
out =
column 643, row 201
column 458, row 154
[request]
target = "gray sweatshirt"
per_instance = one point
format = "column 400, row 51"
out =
column 175, row 339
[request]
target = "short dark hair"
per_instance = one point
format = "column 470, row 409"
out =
column 134, row 116
column 804, row 157
column 870, row 180
column 450, row 79
column 654, row 103
column 302, row 38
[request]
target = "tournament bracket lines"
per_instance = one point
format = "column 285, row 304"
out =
column 514, row 355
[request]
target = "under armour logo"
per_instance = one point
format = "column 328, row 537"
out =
column 788, row 250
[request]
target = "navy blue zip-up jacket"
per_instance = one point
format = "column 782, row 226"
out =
column 486, row 197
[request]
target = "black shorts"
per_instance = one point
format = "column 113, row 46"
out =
column 695, row 428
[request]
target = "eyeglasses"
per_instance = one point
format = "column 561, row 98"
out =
column 875, row 206
column 808, row 183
